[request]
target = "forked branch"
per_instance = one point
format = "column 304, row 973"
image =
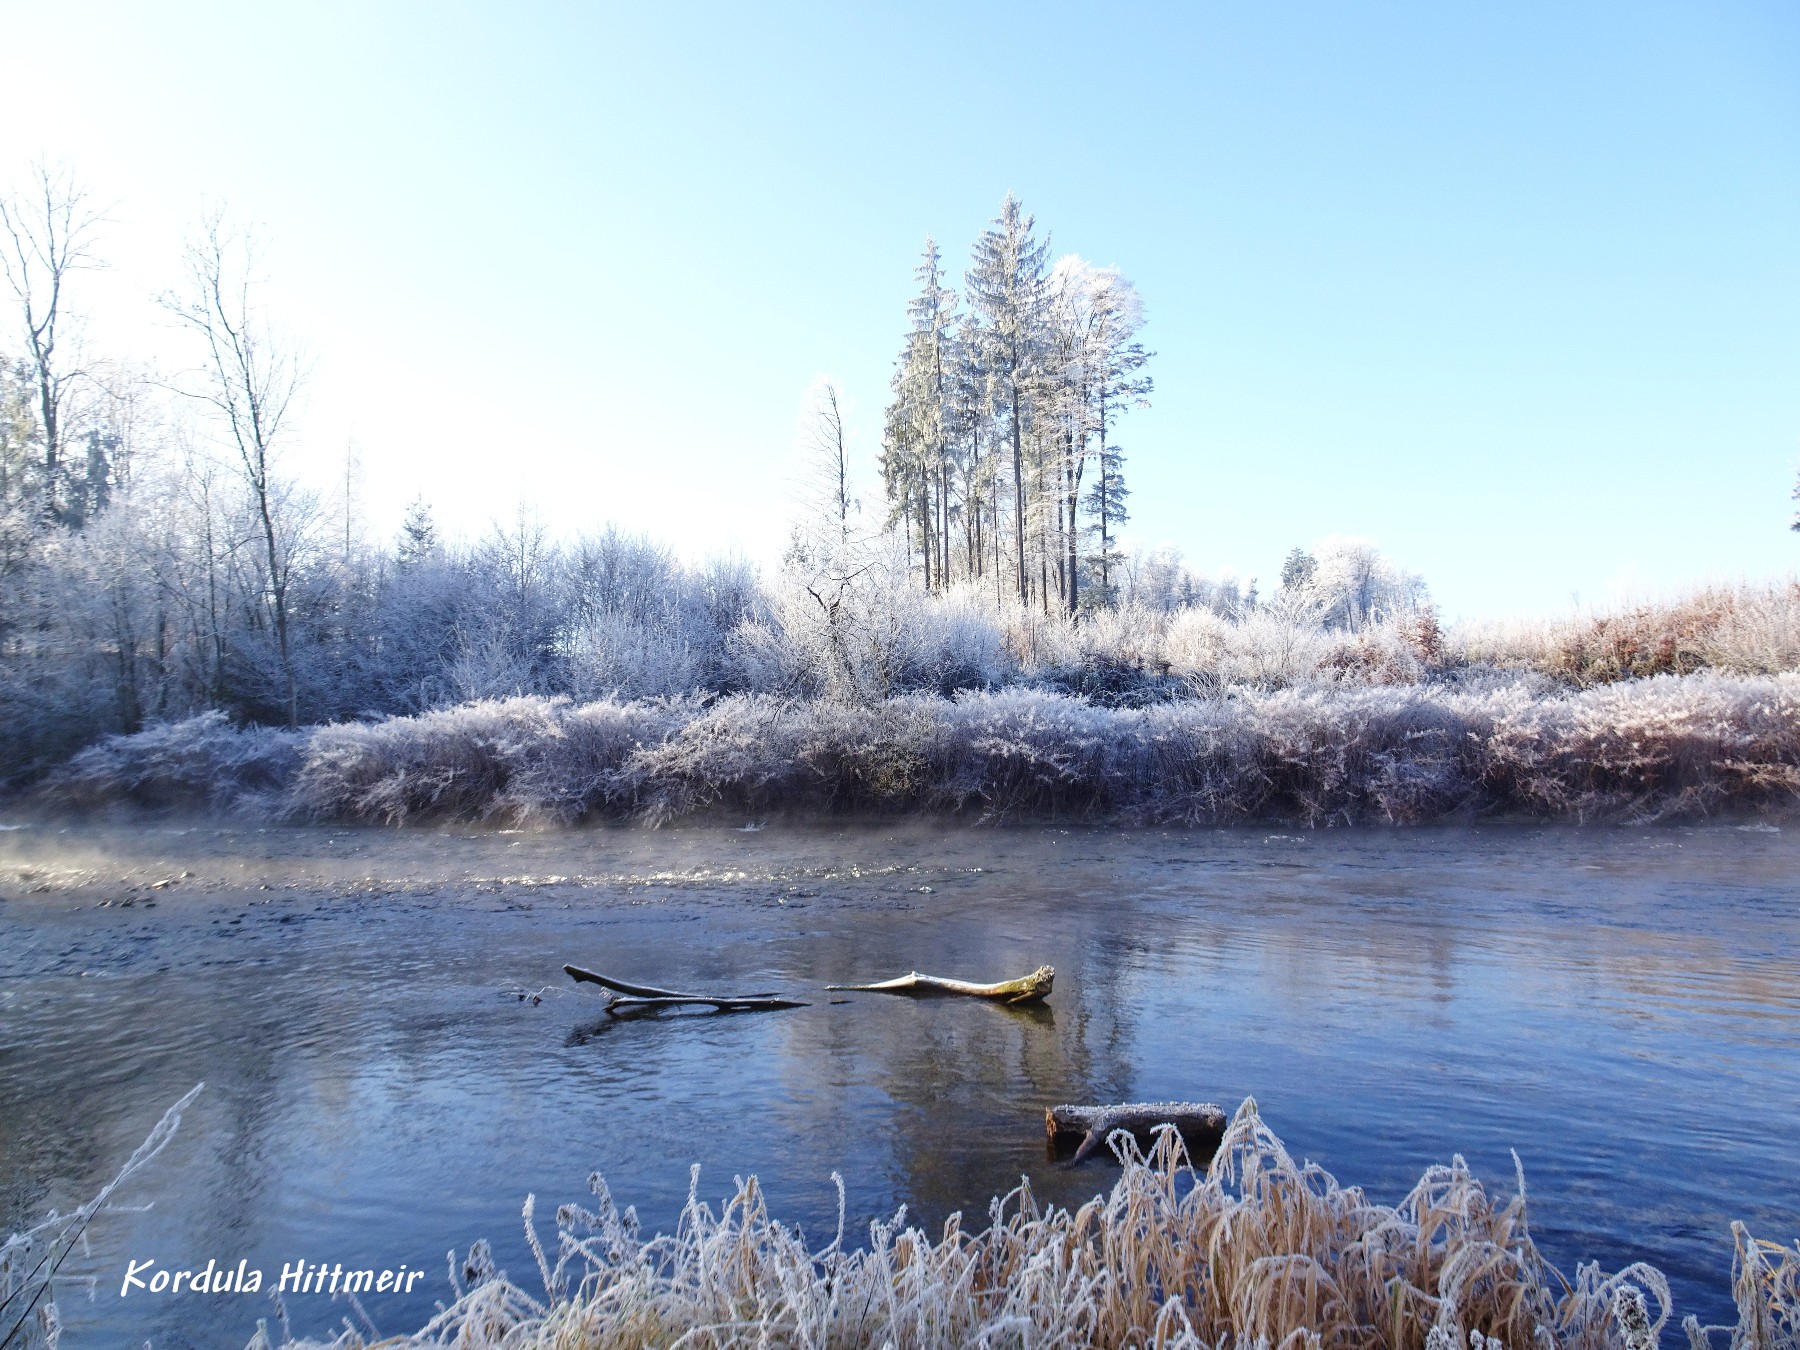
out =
column 648, row 998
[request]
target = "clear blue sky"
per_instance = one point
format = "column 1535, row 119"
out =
column 1512, row 289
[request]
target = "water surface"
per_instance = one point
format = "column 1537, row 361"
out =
column 1620, row 1007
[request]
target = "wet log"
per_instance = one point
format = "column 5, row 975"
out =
column 1083, row 1130
column 727, row 1003
column 638, row 998
column 1032, row 988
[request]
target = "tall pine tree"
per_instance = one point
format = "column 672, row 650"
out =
column 1008, row 287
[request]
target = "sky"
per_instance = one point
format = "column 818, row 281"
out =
column 1512, row 290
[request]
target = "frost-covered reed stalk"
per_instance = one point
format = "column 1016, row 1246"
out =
column 1257, row 1251
column 31, row 1260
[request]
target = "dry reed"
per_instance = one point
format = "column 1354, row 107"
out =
column 31, row 1260
column 1258, row 1251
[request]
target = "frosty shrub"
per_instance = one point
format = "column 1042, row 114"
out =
column 1667, row 746
column 1023, row 752
column 1320, row 756
column 637, row 624
column 856, row 631
column 1258, row 1249
column 516, row 758
column 1338, row 753
column 203, row 762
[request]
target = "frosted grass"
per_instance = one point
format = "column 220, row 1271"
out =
column 1258, row 1250
column 1636, row 750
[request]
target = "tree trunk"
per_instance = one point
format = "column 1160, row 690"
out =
column 1019, row 488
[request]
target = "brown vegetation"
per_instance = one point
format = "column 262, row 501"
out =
column 1259, row 1250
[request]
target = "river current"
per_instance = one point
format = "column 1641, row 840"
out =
column 1619, row 1007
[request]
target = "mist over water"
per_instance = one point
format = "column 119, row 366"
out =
column 1622, row 1008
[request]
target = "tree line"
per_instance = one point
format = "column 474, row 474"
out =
column 999, row 456
column 158, row 558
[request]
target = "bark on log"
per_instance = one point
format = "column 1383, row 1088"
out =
column 648, row 998
column 1083, row 1130
column 1032, row 988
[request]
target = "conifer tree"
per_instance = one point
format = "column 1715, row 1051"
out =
column 916, row 458
column 1118, row 383
column 1008, row 289
column 1015, row 396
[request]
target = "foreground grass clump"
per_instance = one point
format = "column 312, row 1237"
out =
column 1260, row 1251
column 1637, row 750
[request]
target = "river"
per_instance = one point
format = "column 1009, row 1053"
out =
column 1621, row 1007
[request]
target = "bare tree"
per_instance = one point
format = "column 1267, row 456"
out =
column 250, row 380
column 828, row 453
column 48, row 228
column 827, row 554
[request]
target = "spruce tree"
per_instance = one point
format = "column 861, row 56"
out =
column 1008, row 289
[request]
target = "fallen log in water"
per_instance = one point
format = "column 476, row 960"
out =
column 1032, row 988
column 1084, row 1129
column 648, row 998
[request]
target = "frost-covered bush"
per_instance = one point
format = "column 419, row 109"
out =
column 857, row 632
column 200, row 762
column 1325, row 753
column 948, row 643
column 517, row 758
column 1320, row 756
column 759, row 753
column 640, row 625
column 1026, row 752
column 1642, row 749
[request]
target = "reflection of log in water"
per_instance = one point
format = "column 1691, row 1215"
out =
column 1081, row 1131
column 646, row 998
column 1032, row 988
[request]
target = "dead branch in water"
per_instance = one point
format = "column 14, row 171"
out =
column 1032, row 988
column 1085, row 1128
column 725, row 1003
column 648, row 998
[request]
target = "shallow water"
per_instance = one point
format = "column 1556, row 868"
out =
column 1620, row 1007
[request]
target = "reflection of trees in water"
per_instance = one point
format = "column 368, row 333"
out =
column 939, row 1100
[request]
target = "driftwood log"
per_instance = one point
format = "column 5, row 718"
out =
column 638, row 998
column 1032, row 988
column 1083, row 1130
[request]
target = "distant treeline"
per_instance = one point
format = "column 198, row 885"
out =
column 158, row 566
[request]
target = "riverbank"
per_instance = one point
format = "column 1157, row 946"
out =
column 1667, row 747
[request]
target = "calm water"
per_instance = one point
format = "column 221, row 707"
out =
column 1622, row 1008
